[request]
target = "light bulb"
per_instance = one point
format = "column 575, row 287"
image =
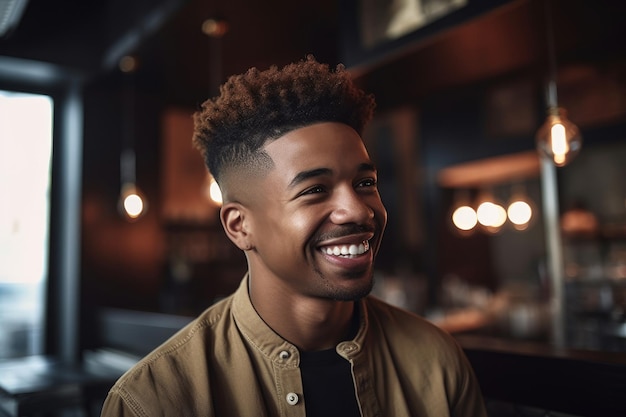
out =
column 521, row 208
column 520, row 213
column 491, row 214
column 132, row 203
column 212, row 190
column 462, row 214
column 464, row 218
column 215, row 193
column 558, row 138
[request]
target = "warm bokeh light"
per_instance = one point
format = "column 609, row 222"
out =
column 559, row 143
column 520, row 213
column 464, row 218
column 133, row 204
column 128, row 64
column 215, row 194
column 558, row 138
column 491, row 215
column 215, row 28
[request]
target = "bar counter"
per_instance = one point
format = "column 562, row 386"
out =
column 545, row 377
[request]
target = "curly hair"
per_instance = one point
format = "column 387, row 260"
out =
column 257, row 106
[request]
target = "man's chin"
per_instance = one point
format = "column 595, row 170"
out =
column 354, row 292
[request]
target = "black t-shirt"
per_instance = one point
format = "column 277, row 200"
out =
column 328, row 386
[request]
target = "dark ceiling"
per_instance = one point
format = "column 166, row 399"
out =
column 506, row 42
column 89, row 37
column 177, row 58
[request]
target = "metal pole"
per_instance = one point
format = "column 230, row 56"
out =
column 68, row 296
column 554, row 248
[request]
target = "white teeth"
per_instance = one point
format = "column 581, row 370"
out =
column 347, row 250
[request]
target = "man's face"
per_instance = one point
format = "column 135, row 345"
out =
column 317, row 218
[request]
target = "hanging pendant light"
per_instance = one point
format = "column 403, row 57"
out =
column 463, row 215
column 132, row 203
column 520, row 208
column 490, row 212
column 558, row 138
column 215, row 29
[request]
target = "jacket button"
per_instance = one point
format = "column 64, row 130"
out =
column 292, row 398
column 347, row 347
column 284, row 354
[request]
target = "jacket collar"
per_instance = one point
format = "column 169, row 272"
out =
column 269, row 343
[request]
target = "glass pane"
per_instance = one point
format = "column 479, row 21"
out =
column 25, row 160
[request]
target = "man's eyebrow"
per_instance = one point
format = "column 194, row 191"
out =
column 305, row 175
column 367, row 166
column 318, row 172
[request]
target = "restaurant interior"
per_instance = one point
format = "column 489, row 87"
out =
column 510, row 239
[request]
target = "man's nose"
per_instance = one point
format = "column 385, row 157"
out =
column 350, row 207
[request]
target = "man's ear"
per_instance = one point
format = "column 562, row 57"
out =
column 235, row 223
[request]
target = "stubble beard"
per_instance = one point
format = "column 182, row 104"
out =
column 337, row 293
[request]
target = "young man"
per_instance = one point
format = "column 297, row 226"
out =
column 300, row 336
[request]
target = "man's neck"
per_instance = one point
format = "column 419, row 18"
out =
column 309, row 323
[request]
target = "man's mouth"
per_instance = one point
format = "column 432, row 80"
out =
column 347, row 250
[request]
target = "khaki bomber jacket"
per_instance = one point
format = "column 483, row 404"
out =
column 228, row 362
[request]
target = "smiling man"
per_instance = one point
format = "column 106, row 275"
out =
column 301, row 336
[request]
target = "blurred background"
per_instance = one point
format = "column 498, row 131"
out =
column 96, row 101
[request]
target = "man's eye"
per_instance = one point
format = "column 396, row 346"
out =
column 314, row 190
column 368, row 182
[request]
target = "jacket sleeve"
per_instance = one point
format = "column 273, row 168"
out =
column 469, row 401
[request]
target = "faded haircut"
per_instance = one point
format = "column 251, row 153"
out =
column 258, row 106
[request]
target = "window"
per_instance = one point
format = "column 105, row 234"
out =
column 25, row 163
